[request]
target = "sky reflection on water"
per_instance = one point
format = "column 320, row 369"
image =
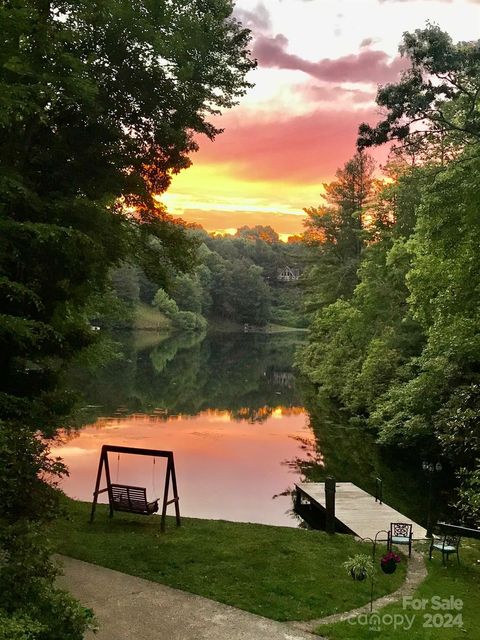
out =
column 226, row 468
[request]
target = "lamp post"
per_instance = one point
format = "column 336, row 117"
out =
column 430, row 468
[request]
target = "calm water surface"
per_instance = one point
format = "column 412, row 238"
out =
column 226, row 406
column 242, row 429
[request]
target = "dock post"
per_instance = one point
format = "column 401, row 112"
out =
column 330, row 488
column 378, row 490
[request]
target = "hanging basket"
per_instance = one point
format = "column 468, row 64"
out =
column 389, row 562
column 358, row 575
column 389, row 567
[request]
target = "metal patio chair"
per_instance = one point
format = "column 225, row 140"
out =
column 400, row 533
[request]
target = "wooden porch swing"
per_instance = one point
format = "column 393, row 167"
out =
column 131, row 499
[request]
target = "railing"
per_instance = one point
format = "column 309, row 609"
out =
column 458, row 530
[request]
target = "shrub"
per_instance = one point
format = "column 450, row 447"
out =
column 189, row 321
column 165, row 304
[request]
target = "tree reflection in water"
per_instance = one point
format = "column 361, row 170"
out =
column 251, row 378
column 248, row 375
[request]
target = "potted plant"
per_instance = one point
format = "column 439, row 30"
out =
column 359, row 567
column 389, row 562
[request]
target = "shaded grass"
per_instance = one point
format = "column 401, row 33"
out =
column 278, row 572
column 149, row 318
column 453, row 580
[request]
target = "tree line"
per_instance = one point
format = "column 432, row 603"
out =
column 394, row 285
column 234, row 278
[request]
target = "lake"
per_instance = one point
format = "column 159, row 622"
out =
column 242, row 427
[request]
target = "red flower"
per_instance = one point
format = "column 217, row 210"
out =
column 390, row 557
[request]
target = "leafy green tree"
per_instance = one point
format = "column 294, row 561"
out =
column 165, row 304
column 187, row 293
column 251, row 297
column 259, row 232
column 126, row 282
column 437, row 98
column 358, row 347
column 403, row 349
column 189, row 321
column 443, row 285
column 205, row 281
column 147, row 288
column 100, row 105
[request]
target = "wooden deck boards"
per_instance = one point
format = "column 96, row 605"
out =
column 357, row 509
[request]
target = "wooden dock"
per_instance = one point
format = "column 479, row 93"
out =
column 357, row 510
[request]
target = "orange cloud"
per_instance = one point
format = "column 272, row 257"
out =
column 265, row 170
column 229, row 221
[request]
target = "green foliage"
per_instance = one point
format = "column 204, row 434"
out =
column 189, row 321
column 19, row 627
column 181, row 320
column 238, row 277
column 217, row 559
column 439, row 91
column 401, row 347
column 187, row 293
column 100, row 105
column 335, row 233
column 52, row 615
column 443, row 284
column 468, row 498
column 126, row 282
column 258, row 232
column 360, row 566
column 235, row 279
column 165, row 304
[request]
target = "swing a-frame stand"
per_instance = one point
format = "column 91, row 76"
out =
column 133, row 499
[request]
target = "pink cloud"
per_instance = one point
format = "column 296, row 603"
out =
column 256, row 20
column 334, row 93
column 367, row 42
column 302, row 149
column 366, row 66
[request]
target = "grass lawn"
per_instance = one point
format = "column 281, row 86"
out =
column 462, row 582
column 149, row 318
column 219, row 325
column 278, row 572
column 281, row 328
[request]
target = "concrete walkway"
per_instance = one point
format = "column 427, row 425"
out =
column 130, row 608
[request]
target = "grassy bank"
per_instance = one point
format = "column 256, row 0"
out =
column 149, row 319
column 278, row 572
column 429, row 623
column 219, row 325
column 280, row 328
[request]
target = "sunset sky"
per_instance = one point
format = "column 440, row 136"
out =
column 319, row 65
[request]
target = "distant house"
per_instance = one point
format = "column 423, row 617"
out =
column 288, row 274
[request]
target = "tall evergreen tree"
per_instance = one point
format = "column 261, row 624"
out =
column 335, row 232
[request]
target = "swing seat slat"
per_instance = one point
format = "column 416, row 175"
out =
column 132, row 499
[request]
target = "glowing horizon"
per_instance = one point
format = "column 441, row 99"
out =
column 319, row 68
